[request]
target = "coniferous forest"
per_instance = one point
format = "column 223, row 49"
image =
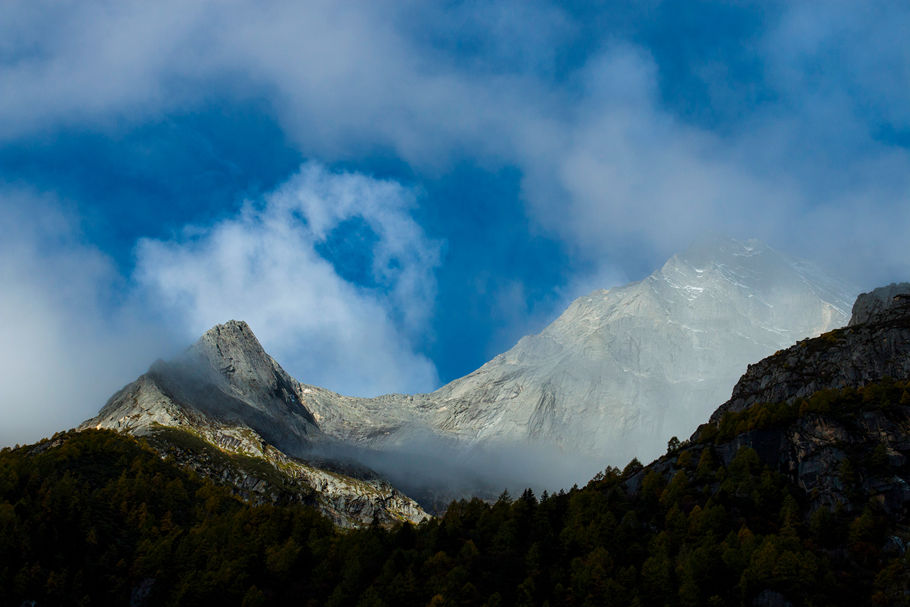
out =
column 95, row 517
column 454, row 303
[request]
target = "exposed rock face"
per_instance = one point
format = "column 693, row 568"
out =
column 227, row 393
column 832, row 413
column 875, row 302
column 612, row 378
column 227, row 377
column 842, row 456
column 259, row 473
column 852, row 356
column 621, row 370
column 234, row 358
column 812, row 451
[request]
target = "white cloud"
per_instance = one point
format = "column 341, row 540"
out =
column 606, row 165
column 74, row 330
column 262, row 266
column 65, row 350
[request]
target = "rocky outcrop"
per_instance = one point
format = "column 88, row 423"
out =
column 870, row 305
column 259, row 473
column 833, row 412
column 853, row 356
column 226, row 376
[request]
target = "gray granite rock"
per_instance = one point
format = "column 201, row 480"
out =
column 849, row 357
column 621, row 370
column 617, row 374
column 226, row 392
column 868, row 305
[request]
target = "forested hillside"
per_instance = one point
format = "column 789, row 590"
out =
column 95, row 517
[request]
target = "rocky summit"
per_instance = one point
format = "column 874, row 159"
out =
column 796, row 494
column 226, row 377
column 621, row 370
column 616, row 375
column 225, row 408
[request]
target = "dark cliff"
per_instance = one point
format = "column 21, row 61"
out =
column 832, row 413
column 869, row 305
column 875, row 345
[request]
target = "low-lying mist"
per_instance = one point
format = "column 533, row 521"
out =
column 71, row 333
column 435, row 470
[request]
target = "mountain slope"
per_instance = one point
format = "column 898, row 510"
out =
column 799, row 502
column 225, row 393
column 874, row 345
column 226, row 376
column 612, row 378
column 620, row 370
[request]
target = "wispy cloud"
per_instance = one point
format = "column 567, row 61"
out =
column 70, row 333
column 264, row 266
column 607, row 163
column 74, row 329
column 814, row 160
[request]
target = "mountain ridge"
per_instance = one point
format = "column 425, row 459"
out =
column 875, row 344
column 623, row 354
column 228, row 393
column 804, row 501
column 611, row 378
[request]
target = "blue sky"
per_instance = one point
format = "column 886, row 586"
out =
column 393, row 192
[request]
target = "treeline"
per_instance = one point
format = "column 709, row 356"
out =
column 99, row 518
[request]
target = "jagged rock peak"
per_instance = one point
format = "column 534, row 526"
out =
column 226, row 377
column 232, row 326
column 233, row 351
column 877, row 301
column 231, row 338
column 234, row 355
column 232, row 329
